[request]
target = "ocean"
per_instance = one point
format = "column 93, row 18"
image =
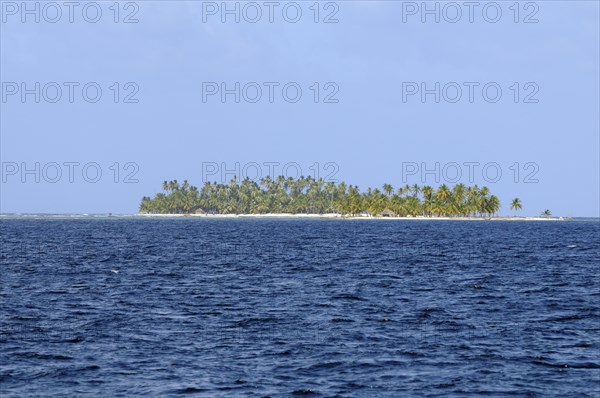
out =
column 108, row 307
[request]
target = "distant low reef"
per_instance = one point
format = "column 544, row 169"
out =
column 315, row 198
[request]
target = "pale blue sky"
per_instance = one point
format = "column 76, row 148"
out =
column 369, row 133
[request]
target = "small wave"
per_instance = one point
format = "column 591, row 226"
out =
column 341, row 320
column 582, row 365
column 348, row 297
column 46, row 357
column 583, row 344
column 304, row 392
column 189, row 390
column 323, row 366
column 566, row 318
column 259, row 321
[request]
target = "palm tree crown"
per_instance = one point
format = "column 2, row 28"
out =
column 546, row 213
column 516, row 204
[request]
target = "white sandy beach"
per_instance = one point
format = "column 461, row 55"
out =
column 342, row 217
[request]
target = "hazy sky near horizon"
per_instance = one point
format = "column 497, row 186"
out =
column 361, row 116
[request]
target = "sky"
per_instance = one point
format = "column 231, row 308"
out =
column 100, row 104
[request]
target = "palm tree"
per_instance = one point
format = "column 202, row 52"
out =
column 146, row 205
column 546, row 213
column 427, row 199
column 387, row 188
column 416, row 190
column 516, row 205
column 492, row 205
column 353, row 203
column 174, row 185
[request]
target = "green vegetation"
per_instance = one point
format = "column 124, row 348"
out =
column 546, row 213
column 516, row 205
column 310, row 196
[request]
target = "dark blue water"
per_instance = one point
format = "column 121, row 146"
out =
column 118, row 307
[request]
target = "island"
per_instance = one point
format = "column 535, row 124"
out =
column 306, row 196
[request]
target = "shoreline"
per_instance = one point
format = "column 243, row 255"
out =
column 341, row 217
column 273, row 216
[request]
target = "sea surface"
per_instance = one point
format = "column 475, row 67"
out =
column 122, row 307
